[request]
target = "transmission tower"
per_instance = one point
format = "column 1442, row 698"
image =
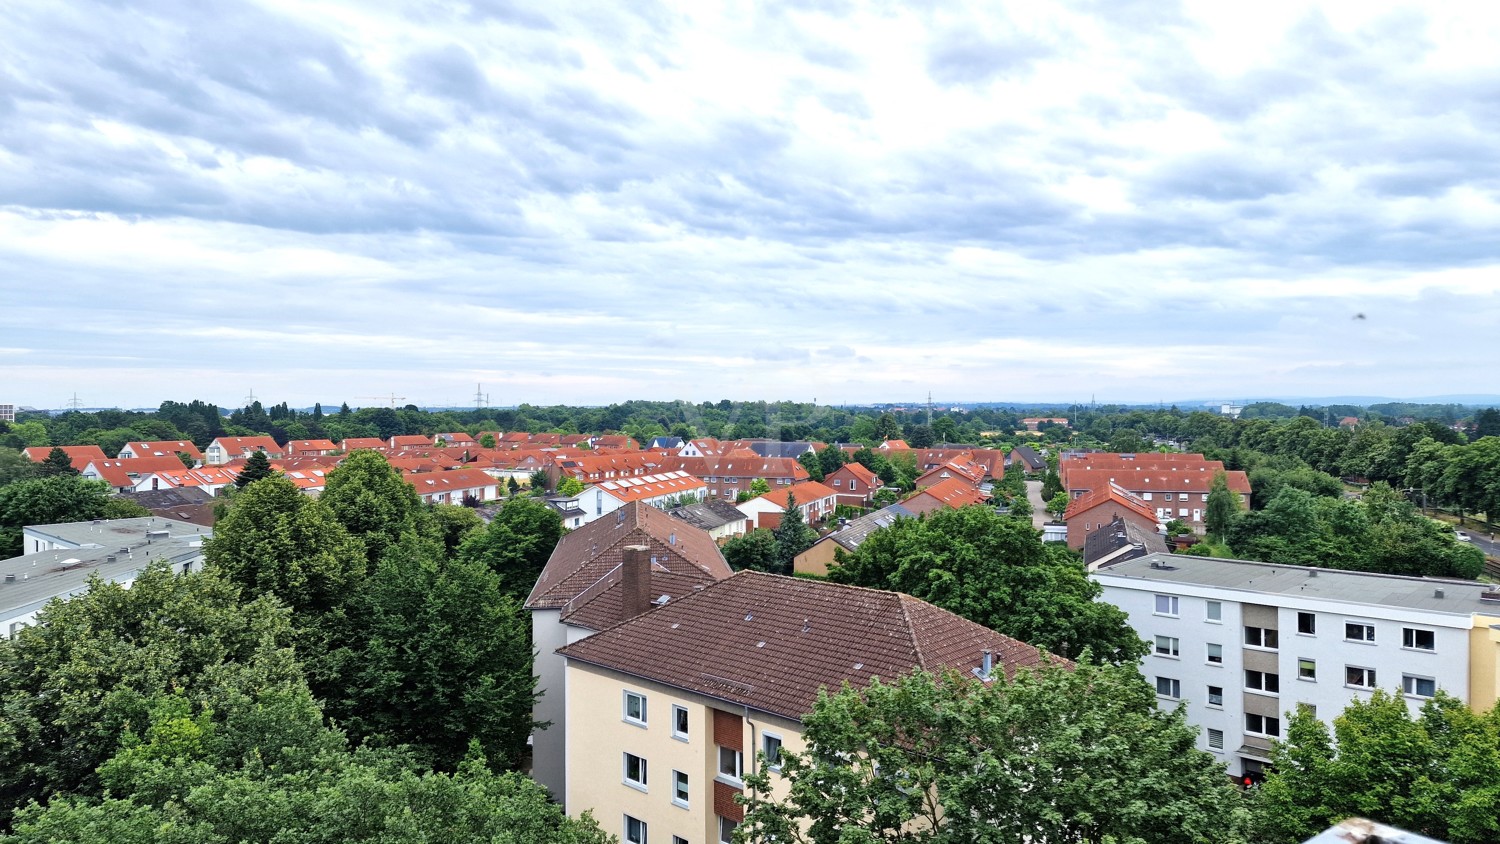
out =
column 74, row 403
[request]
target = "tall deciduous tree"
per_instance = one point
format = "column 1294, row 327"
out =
column 755, row 551
column 1222, row 507
column 516, row 544
column 1054, row 754
column 54, row 500
column 373, row 502
column 569, row 486
column 997, row 572
column 810, row 462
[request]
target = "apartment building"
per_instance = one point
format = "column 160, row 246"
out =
column 1245, row 643
column 668, row 712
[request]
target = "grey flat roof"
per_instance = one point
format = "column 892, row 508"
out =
column 1460, row 597
column 117, row 532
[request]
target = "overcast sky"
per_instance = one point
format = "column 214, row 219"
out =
column 849, row 202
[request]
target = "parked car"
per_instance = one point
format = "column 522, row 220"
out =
column 1461, row 536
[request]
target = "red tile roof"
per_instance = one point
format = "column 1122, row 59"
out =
column 297, row 446
column 81, row 455
column 1183, row 479
column 241, row 446
column 454, row 480
column 163, row 448
column 1105, row 494
column 351, row 443
column 806, row 494
column 772, row 642
column 651, row 486
column 953, row 493
column 125, row 473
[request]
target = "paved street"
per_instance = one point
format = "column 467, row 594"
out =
column 1039, row 515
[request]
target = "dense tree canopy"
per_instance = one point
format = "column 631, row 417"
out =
column 997, row 572
column 54, row 500
column 516, row 544
column 1053, row 755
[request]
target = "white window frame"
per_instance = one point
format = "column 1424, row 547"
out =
column 738, row 777
column 1172, row 603
column 1172, row 690
column 1213, row 612
column 640, row 763
column 1168, row 646
column 765, row 748
column 681, row 793
column 1263, row 722
column 1367, row 677
column 1311, row 675
column 1262, row 677
column 679, row 716
column 726, row 833
column 1409, row 685
column 1214, row 653
column 640, row 835
column 1409, row 639
column 1261, row 635
column 1215, row 704
column 639, row 721
column 1367, row 627
column 1312, row 619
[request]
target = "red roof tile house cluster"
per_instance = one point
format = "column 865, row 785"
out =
column 79, row 455
column 853, row 484
column 586, row 586
column 225, row 449
column 815, row 500
column 160, row 448
column 661, row 490
column 1096, row 509
column 730, row 474
column 687, row 694
column 1174, row 486
column 952, row 493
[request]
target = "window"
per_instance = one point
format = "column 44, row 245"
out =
column 1166, row 605
column 678, row 839
column 635, row 830
column 838, row 484
column 771, row 747
column 1418, row 686
column 1145, row 496
column 1263, row 725
column 1422, row 640
column 1168, row 687
column 1215, row 654
column 1205, row 496
column 1307, row 669
column 1215, row 739
column 1213, row 611
column 729, row 763
column 679, row 722
column 680, row 789
column 1182, row 513
column 726, row 830
column 1166, row 646
column 1263, row 681
column 1356, row 631
column 1360, row 678
column 1260, row 637
column 1307, row 623
column 635, row 771
column 1166, row 496
column 1215, row 695
column 635, row 708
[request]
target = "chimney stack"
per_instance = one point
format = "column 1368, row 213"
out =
column 635, row 582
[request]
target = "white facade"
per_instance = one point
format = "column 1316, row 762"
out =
column 1249, row 642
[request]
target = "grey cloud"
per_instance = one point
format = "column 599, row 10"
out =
column 1223, row 177
column 966, row 57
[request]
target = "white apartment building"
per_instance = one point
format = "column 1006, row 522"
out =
column 1245, row 643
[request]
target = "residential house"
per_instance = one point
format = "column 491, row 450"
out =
column 80, row 455
column 728, row 475
column 662, row 490
column 703, row 447
column 1243, row 644
column 161, row 448
column 616, row 441
column 224, row 449
column 668, row 712
column 665, row 444
column 968, row 472
column 846, row 539
column 1119, row 541
column 7, row 413
column 591, row 468
column 893, row 445
column 815, row 500
column 772, row 448
column 59, row 560
column 1097, row 508
column 409, row 441
column 720, row 519
column 854, row 484
column 454, row 439
column 124, row 475
column 1035, row 423
column 457, row 486
column 1025, row 458
column 953, row 493
column 310, row 448
column 351, row 443
column 581, row 591
column 568, row 509
column 209, row 479
column 184, row 504
column 989, row 461
column 1175, row 485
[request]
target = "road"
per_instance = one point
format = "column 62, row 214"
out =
column 1038, row 506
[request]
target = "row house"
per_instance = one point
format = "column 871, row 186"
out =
column 606, row 572
column 458, row 486
column 1035, row 423
column 209, row 479
column 310, row 448
column 669, row 712
column 352, row 443
column 966, row 471
column 1026, row 459
column 702, row 447
column 160, row 448
column 1175, row 490
column 951, row 494
column 593, row 468
column 1097, row 509
column 454, row 438
column 224, row 449
column 125, row 475
column 816, row 501
column 720, row 519
column 989, row 461
column 728, row 476
column 408, row 441
column 1243, row 644
column 662, row 490
column 79, row 455
column 853, row 484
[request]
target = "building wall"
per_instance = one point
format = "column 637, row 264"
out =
column 1082, row 524
column 1448, row 664
column 549, row 745
column 815, row 560
column 599, row 736
column 1484, row 662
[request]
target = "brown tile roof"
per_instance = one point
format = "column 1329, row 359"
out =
column 771, row 642
column 806, row 494
column 409, row 440
column 953, row 493
column 591, row 552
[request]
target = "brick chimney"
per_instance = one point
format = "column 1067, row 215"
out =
column 635, row 582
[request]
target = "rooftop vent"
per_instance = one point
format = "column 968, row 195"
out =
column 10, row 578
column 1437, row 593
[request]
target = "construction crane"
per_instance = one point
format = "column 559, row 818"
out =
column 393, row 398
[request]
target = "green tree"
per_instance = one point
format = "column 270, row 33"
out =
column 831, row 458
column 516, row 544
column 1058, row 504
column 1055, row 753
column 454, row 524
column 1222, row 507
column 57, row 463
column 569, row 486
column 1051, row 484
column 1020, row 508
column 759, row 487
column 73, row 686
column 793, row 535
column 15, row 466
column 539, row 482
column 277, row 541
column 756, row 551
column 512, row 486
column 921, row 436
column 887, row 428
column 373, row 502
column 437, row 654
column 257, row 466
column 810, row 462
column 995, row 571
column 55, row 500
column 487, row 441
